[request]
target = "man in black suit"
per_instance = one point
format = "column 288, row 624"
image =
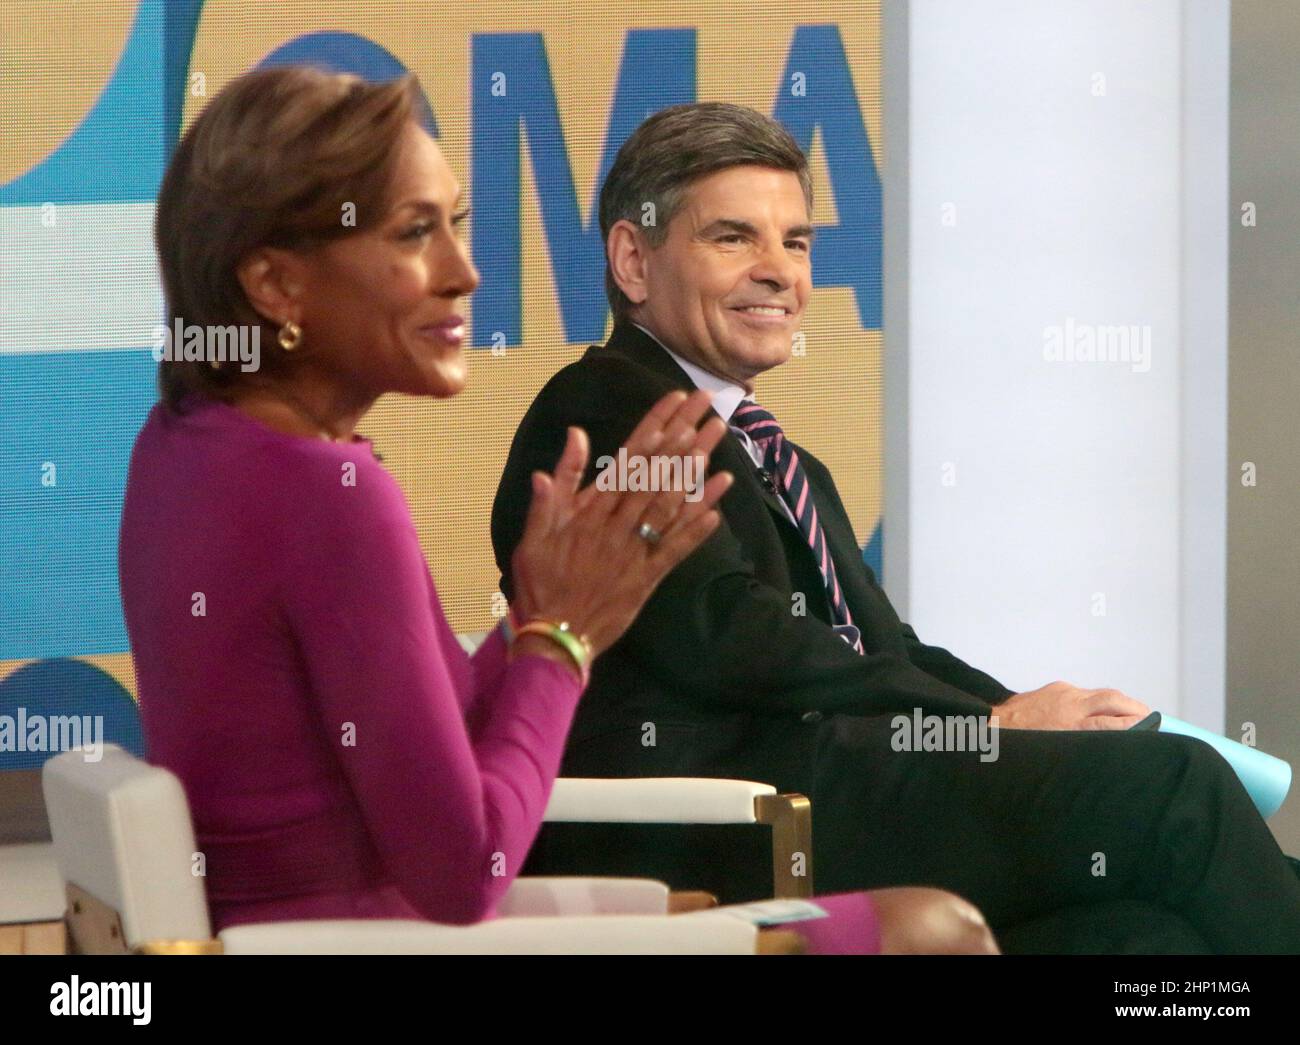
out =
column 723, row 675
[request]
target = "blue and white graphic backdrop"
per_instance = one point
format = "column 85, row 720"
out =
column 93, row 96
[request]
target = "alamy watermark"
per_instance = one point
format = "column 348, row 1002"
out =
column 921, row 732
column 131, row 998
column 23, row 732
column 190, row 343
column 1089, row 343
column 654, row 474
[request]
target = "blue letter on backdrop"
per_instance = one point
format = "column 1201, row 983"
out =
column 847, row 254
column 657, row 70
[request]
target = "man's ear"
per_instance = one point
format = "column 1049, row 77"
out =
column 626, row 250
column 273, row 281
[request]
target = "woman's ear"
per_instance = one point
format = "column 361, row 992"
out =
column 625, row 248
column 273, row 281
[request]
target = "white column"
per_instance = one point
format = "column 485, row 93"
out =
column 1049, row 515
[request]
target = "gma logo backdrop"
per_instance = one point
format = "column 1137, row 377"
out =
column 530, row 102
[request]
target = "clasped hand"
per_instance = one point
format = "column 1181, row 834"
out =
column 583, row 559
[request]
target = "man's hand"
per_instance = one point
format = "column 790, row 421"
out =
column 1060, row 705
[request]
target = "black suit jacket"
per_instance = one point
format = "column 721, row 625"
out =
column 734, row 683
column 719, row 676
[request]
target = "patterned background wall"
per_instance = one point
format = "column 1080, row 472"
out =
column 93, row 97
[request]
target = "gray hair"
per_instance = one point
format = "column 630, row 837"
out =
column 677, row 146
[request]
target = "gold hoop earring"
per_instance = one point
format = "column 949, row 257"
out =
column 290, row 335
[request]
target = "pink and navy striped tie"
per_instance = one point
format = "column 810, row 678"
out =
column 781, row 460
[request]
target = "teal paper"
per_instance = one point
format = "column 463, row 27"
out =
column 1266, row 779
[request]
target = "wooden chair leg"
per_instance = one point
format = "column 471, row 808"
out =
column 93, row 927
column 45, row 938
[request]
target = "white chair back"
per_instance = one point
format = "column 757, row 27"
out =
column 122, row 832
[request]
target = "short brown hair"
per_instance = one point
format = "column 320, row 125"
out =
column 677, row 146
column 270, row 162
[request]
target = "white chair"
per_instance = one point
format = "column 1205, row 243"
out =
column 124, row 844
column 31, row 899
column 691, row 800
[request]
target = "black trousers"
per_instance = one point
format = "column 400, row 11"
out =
column 1060, row 820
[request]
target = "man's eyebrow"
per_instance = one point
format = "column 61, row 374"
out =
column 744, row 228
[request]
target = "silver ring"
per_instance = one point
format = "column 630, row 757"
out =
column 648, row 533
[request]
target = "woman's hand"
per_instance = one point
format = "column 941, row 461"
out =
column 582, row 558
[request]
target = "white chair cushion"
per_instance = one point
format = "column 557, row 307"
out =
column 705, row 932
column 530, row 897
column 655, row 800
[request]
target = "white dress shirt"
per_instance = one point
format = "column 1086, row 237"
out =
column 727, row 397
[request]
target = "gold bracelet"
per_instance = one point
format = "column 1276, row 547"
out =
column 559, row 632
column 563, row 626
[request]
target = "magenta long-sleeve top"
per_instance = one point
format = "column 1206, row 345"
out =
column 342, row 755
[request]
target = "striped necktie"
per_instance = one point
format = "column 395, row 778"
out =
column 781, row 460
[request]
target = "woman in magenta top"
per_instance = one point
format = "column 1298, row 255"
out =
column 342, row 756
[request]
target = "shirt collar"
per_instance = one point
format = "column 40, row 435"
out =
column 726, row 394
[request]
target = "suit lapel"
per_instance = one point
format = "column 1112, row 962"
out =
column 730, row 455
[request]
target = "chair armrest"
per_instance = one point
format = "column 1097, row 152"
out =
column 534, row 896
column 705, row 932
column 697, row 800
column 654, row 800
